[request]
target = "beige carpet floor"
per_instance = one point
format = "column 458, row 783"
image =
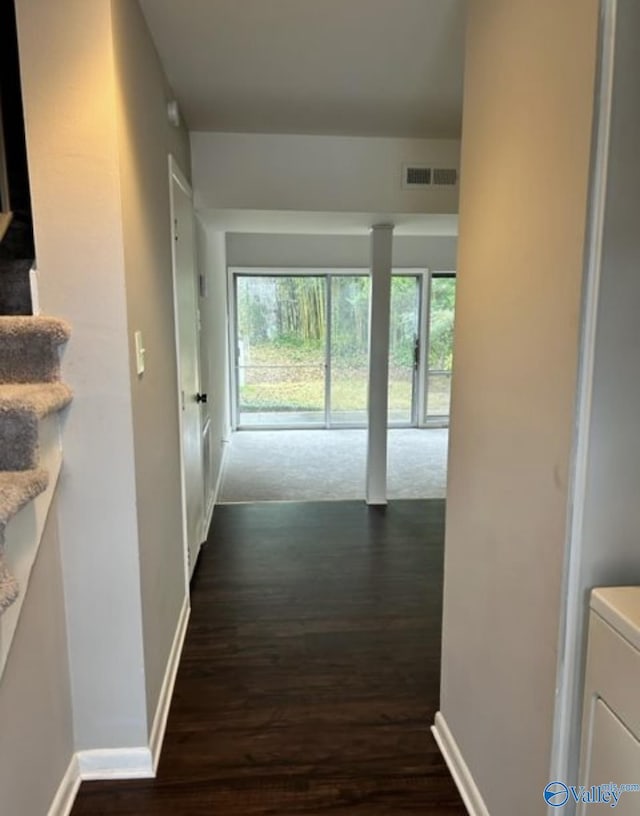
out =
column 330, row 465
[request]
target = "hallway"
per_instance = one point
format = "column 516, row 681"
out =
column 310, row 672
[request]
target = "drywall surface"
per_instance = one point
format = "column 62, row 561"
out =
column 323, row 173
column 145, row 138
column 36, row 739
column 70, row 110
column 525, row 172
column 335, row 251
column 610, row 545
column 214, row 346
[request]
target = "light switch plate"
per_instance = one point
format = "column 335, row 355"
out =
column 140, row 352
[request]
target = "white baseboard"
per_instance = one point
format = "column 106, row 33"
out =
column 35, row 291
column 213, row 500
column 209, row 516
column 166, row 692
column 459, row 770
column 67, row 790
column 116, row 763
column 110, row 763
column 125, row 763
column 223, row 464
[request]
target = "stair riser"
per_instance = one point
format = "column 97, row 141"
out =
column 28, row 359
column 18, row 440
column 15, row 290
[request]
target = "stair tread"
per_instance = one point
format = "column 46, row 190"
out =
column 38, row 398
column 17, row 488
column 30, row 348
column 56, row 329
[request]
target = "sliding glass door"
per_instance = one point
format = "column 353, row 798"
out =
column 281, row 352
column 441, row 310
column 302, row 350
column 301, row 356
column 403, row 348
column 349, row 349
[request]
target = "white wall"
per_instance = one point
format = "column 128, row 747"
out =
column 98, row 142
column 525, row 169
column 145, row 138
column 36, row 739
column 214, row 348
column 71, row 122
column 331, row 251
column 321, row 173
column 608, row 511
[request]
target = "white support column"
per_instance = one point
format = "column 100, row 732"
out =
column 381, row 246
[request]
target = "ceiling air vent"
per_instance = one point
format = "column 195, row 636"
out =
column 445, row 176
column 416, row 175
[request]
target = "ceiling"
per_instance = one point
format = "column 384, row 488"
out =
column 348, row 67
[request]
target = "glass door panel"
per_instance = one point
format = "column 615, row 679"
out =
column 403, row 339
column 442, row 299
column 281, row 353
column 349, row 344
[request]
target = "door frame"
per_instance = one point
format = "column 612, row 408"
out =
column 233, row 272
column 176, row 174
column 569, row 681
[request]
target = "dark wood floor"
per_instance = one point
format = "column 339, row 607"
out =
column 310, row 671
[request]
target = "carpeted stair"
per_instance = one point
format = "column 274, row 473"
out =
column 30, row 390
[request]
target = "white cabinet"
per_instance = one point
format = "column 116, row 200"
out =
column 611, row 720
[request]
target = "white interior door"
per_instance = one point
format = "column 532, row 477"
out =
column 187, row 343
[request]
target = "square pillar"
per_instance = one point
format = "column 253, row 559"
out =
column 376, row 479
